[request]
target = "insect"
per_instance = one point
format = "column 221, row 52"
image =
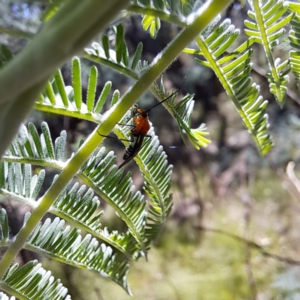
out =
column 139, row 131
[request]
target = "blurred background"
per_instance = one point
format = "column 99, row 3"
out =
column 234, row 229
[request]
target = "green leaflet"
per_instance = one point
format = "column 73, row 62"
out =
column 233, row 71
column 266, row 27
column 294, row 37
column 31, row 281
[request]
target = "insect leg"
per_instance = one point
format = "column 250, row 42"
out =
column 125, row 162
column 133, row 112
column 131, row 125
column 113, row 137
column 148, row 140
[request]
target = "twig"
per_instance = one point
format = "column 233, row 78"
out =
column 247, row 217
column 173, row 288
column 199, row 199
column 290, row 172
column 251, row 244
column 16, row 33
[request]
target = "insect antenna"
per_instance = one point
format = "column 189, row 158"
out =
column 165, row 99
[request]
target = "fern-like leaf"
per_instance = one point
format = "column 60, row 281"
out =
column 5, row 297
column 66, row 245
column 152, row 161
column 56, row 241
column 18, row 183
column 182, row 111
column 107, row 56
column 174, row 11
column 69, row 107
column 117, row 57
column 31, row 281
column 74, row 204
column 67, row 100
column 266, row 27
column 33, row 147
column 157, row 176
column 80, row 207
column 233, row 71
column 130, row 206
column 294, row 37
column 151, row 23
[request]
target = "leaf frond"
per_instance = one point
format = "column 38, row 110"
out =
column 67, row 245
column 75, row 204
column 62, row 103
column 5, row 297
column 100, row 173
column 67, row 100
column 156, row 172
column 294, row 37
column 30, row 147
column 117, row 56
column 174, row 11
column 266, row 27
column 79, row 206
column 233, row 71
column 196, row 136
column 17, row 182
column 182, row 112
column 31, row 281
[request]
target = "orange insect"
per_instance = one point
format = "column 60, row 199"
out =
column 139, row 131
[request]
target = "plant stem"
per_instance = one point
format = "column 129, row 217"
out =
column 16, row 33
column 200, row 20
column 64, row 35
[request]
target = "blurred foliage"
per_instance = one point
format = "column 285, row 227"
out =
column 226, row 186
column 193, row 264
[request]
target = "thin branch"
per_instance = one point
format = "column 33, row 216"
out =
column 82, row 19
column 168, row 17
column 16, row 33
column 248, row 255
column 251, row 244
column 173, row 288
column 290, row 172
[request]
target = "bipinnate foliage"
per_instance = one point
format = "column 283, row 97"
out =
column 294, row 37
column 90, row 174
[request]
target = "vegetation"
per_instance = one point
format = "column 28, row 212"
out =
column 33, row 78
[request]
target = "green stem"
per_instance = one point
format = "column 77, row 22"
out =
column 171, row 52
column 111, row 117
column 153, row 12
column 113, row 65
column 76, row 223
column 14, row 112
column 55, row 43
column 16, row 33
column 64, row 35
